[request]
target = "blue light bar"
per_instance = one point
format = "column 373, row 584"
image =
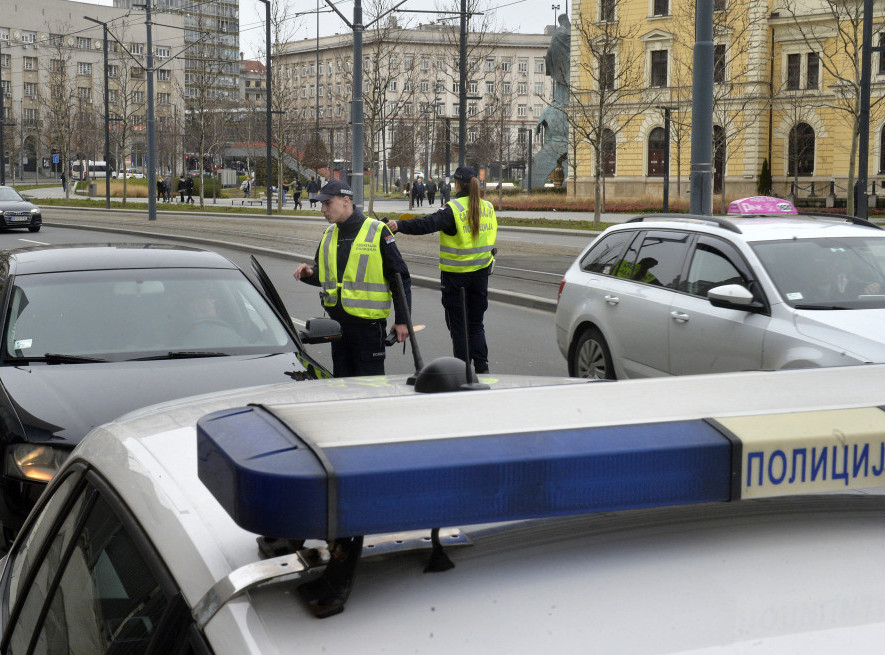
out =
column 276, row 482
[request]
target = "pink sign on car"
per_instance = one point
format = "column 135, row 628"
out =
column 757, row 205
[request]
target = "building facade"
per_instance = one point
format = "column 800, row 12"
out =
column 52, row 71
column 411, row 98
column 786, row 88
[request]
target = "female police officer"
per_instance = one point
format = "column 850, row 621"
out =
column 467, row 229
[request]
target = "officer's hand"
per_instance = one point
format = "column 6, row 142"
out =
column 402, row 331
column 302, row 271
column 392, row 225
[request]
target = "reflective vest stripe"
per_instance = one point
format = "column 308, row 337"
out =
column 464, row 252
column 478, row 263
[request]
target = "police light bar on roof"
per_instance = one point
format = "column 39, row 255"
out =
column 761, row 206
column 301, row 472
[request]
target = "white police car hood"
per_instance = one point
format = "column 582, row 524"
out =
column 859, row 332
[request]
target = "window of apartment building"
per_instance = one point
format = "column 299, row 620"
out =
column 84, row 43
column 4, row 35
column 455, row 87
column 606, row 11
column 607, row 72
column 522, row 66
column 6, row 87
column 506, row 88
column 391, row 85
column 139, row 97
column 84, row 68
column 393, row 62
column 164, row 99
column 313, row 70
column 660, row 7
column 440, row 64
column 30, row 89
column 506, row 65
column 456, row 108
column 163, row 75
column 522, row 111
column 163, row 53
column 441, row 109
column 657, row 151
column 473, row 87
column 424, row 86
column 812, row 66
column 489, row 110
column 313, row 91
column 609, row 152
column 136, row 48
column 408, row 109
column 539, row 66
column 408, row 62
column 522, row 88
column 56, row 66
column 490, row 87
column 536, row 111
column 29, row 37
column 113, row 96
column 321, row 91
column 719, row 63
column 508, row 110
column 136, row 72
column 801, row 146
column 56, row 91
column 659, row 68
column 30, row 116
column 30, row 63
column 471, row 136
column 5, row 61
column 881, row 54
column 539, row 88
column 472, row 108
column 425, row 63
column 490, row 64
column 84, row 93
column 339, row 110
column 794, row 71
column 472, row 64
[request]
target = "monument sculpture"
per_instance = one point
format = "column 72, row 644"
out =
column 553, row 121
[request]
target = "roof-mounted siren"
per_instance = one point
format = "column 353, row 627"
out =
column 761, row 206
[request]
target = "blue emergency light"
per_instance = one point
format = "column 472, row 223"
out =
column 273, row 479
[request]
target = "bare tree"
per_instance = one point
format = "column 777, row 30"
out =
column 59, row 96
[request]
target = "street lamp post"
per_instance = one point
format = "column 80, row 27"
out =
column 529, row 157
column 267, row 84
column 2, row 124
column 107, row 115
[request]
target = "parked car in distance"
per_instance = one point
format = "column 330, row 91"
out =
column 90, row 332
column 626, row 516
column 17, row 212
column 765, row 290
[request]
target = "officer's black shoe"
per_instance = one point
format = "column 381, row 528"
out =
column 481, row 368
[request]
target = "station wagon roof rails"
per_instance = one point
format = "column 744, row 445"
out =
column 856, row 220
column 690, row 218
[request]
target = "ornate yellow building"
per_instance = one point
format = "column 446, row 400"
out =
column 786, row 73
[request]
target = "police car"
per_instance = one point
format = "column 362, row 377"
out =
column 765, row 288
column 706, row 514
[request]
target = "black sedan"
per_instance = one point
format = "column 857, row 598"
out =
column 16, row 212
column 92, row 332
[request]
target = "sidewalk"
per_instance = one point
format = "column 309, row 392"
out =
column 382, row 205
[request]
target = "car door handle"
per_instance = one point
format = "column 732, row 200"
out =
column 611, row 300
column 681, row 317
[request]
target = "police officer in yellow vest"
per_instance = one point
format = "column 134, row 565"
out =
column 467, row 230
column 355, row 264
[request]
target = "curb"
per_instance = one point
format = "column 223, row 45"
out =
column 500, row 295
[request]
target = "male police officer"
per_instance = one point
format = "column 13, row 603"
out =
column 355, row 264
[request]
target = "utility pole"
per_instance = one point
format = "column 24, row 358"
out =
column 151, row 127
column 267, row 83
column 462, row 87
column 107, row 116
column 2, row 125
column 701, row 175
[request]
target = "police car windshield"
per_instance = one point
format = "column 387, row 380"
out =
column 826, row 273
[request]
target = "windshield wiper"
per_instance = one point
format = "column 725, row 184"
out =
column 181, row 354
column 821, row 307
column 58, row 358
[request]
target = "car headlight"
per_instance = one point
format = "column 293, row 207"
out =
column 35, row 210
column 34, row 462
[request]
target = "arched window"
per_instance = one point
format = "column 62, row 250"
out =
column 801, row 150
column 657, row 152
column 609, row 152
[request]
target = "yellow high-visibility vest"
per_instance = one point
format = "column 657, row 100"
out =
column 463, row 252
column 363, row 290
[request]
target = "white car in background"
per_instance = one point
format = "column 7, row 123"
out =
column 765, row 289
column 688, row 515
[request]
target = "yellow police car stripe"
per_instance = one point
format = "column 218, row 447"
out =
column 806, row 452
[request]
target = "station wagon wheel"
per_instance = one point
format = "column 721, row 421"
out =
column 591, row 357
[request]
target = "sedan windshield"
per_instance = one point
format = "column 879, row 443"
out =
column 75, row 317
column 827, row 273
column 9, row 194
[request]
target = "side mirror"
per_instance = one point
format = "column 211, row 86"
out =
column 320, row 330
column 733, row 296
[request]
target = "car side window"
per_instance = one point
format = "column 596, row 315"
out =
column 603, row 256
column 711, row 267
column 660, row 260
column 94, row 589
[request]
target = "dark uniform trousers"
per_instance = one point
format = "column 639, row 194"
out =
column 476, row 291
column 360, row 350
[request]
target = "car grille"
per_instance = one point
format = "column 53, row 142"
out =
column 17, row 217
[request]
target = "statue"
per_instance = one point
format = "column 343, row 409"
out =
column 554, row 120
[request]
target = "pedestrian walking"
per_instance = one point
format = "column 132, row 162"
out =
column 313, row 188
column 445, row 188
column 189, row 187
column 167, row 180
column 431, row 191
column 467, row 229
column 296, row 193
column 355, row 265
column 161, row 189
column 181, row 187
column 246, row 186
column 420, row 191
column 64, row 182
